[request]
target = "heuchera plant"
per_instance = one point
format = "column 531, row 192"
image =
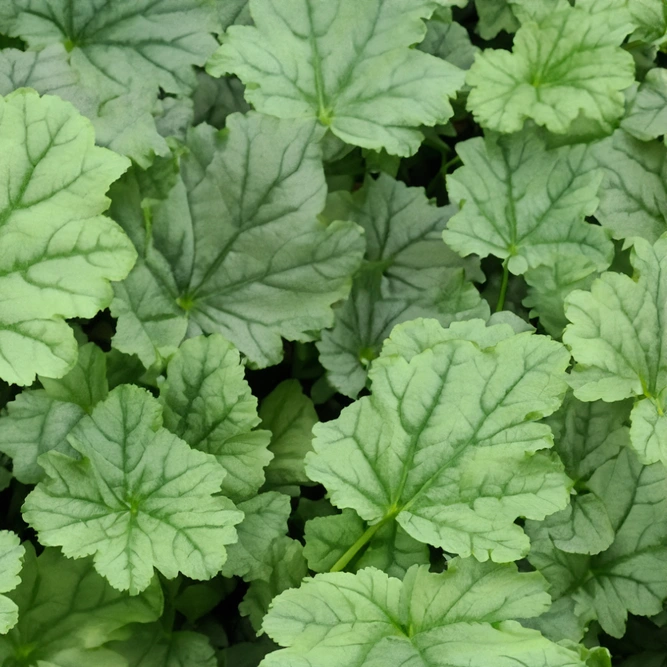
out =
column 333, row 333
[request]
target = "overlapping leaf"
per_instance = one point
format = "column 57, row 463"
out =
column 566, row 63
column 236, row 247
column 447, row 444
column 58, row 251
column 630, row 576
column 408, row 273
column 208, row 403
column 524, row 203
column 138, row 498
column 67, row 612
column 460, row 618
column 346, row 64
column 618, row 338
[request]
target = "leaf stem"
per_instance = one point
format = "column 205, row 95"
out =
column 503, row 286
column 343, row 561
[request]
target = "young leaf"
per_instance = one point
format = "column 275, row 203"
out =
column 67, row 611
column 288, row 567
column 246, row 195
column 633, row 195
column 524, row 203
column 138, row 498
column 494, row 16
column 264, row 523
column 208, row 403
column 11, row 562
column 290, row 416
column 450, row 41
column 349, row 65
column 58, row 251
column 157, row 41
column 408, row 273
column 619, row 341
column 462, row 617
column 39, row 421
column 630, row 575
column 650, row 20
column 566, row 63
column 447, row 444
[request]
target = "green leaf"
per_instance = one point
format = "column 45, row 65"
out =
column 447, row 443
column 150, row 646
column 650, row 19
column 288, row 568
column 349, row 65
column 408, row 273
column 11, row 562
column 215, row 99
column 450, row 41
column 157, row 41
column 565, row 64
column 522, row 202
column 629, row 577
column 246, row 195
column 122, row 118
column 646, row 117
column 495, row 16
column 58, row 251
column 39, row 421
column 619, row 342
column 67, row 611
column 549, row 284
column 391, row 549
column 264, row 523
column 460, row 618
column 138, row 498
column 290, row 416
column 633, row 195
column 208, row 403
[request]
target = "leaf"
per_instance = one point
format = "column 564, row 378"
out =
column 446, row 444
column 630, row 575
column 290, row 416
column 408, row 273
column 249, row 194
column 495, row 16
column 264, row 523
column 650, row 19
column 150, row 646
column 11, row 562
column 646, row 117
column 633, row 195
column 215, row 99
column 549, row 284
column 620, row 345
column 138, row 498
column 564, row 65
column 121, row 117
column 346, row 64
column 450, row 41
column 391, row 549
column 67, row 611
column 157, row 41
column 58, row 251
column 462, row 617
column 208, row 403
column 39, row 421
column 524, row 203
column 287, row 566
